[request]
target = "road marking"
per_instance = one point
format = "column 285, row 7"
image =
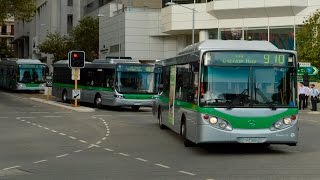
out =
column 52, row 116
column 140, row 159
column 83, row 141
column 93, row 145
column 63, row 155
column 104, row 138
column 40, row 161
column 98, row 142
column 54, row 131
column 313, row 121
column 34, row 124
column 46, row 128
column 100, row 115
column 72, row 137
column 161, row 165
column 11, row 168
column 22, row 120
column 28, row 122
column 108, row 149
column 123, row 154
column 107, row 135
column 26, row 117
column 62, row 134
column 188, row 173
column 78, row 151
column 39, row 126
column 39, row 112
column 63, row 112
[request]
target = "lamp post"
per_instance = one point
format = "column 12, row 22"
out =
column 193, row 14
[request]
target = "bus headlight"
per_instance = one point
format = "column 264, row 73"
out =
column 283, row 123
column 118, row 96
column 217, row 122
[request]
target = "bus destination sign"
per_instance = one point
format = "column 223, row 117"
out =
column 132, row 68
column 248, row 58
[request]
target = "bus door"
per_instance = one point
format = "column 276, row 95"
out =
column 172, row 92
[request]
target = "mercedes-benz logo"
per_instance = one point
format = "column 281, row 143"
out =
column 252, row 123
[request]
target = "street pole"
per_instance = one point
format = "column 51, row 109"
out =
column 193, row 14
column 76, row 71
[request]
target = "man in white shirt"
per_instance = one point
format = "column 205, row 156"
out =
column 302, row 95
column 314, row 93
column 306, row 98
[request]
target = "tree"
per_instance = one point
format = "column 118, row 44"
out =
column 20, row 9
column 56, row 44
column 5, row 51
column 308, row 40
column 85, row 37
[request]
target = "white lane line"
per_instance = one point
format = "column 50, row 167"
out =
column 22, row 120
column 34, row 124
column 39, row 126
column 63, row 155
column 108, row 149
column 52, row 116
column 188, row 173
column 123, row 154
column 312, row 121
column 28, row 122
column 100, row 115
column 161, row 165
column 26, row 117
column 98, row 142
column 39, row 112
column 46, row 128
column 83, row 141
column 78, row 151
column 54, row 131
column 72, row 137
column 62, row 134
column 140, row 159
column 107, row 135
column 104, row 138
column 108, row 132
column 4, row 117
column 40, row 161
column 11, row 168
column 62, row 112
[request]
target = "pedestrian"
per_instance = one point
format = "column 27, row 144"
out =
column 314, row 93
column 306, row 98
column 302, row 95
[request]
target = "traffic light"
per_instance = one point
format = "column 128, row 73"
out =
column 76, row 59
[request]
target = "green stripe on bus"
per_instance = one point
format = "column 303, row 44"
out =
column 238, row 122
column 137, row 96
column 32, row 84
column 62, row 85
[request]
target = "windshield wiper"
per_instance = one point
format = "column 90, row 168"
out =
column 241, row 97
column 265, row 99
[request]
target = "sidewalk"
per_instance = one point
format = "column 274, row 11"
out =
column 63, row 105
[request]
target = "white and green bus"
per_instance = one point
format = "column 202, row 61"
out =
column 230, row 92
column 22, row 74
column 111, row 82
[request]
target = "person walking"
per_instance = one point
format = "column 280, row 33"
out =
column 302, row 95
column 306, row 98
column 314, row 93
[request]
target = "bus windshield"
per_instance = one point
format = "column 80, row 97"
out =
column 241, row 86
column 31, row 73
column 135, row 82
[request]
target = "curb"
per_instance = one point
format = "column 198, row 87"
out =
column 78, row 109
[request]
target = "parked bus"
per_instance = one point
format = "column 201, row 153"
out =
column 230, row 92
column 22, row 74
column 112, row 82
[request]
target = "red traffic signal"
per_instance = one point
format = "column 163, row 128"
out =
column 76, row 59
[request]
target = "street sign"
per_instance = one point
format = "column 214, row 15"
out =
column 310, row 70
column 73, row 75
column 76, row 94
column 304, row 64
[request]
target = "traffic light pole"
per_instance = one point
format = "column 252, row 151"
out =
column 76, row 74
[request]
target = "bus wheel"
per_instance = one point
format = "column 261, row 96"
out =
column 98, row 101
column 64, row 96
column 186, row 142
column 135, row 108
column 160, row 121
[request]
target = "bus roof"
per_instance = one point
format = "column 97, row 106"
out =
column 21, row 61
column 114, row 61
column 229, row 45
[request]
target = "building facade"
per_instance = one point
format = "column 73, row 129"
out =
column 134, row 28
column 7, row 31
column 51, row 16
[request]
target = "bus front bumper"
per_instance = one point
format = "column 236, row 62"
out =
column 209, row 134
column 133, row 102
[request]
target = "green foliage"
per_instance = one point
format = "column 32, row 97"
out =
column 308, row 40
column 20, row 9
column 85, row 37
column 57, row 45
column 5, row 51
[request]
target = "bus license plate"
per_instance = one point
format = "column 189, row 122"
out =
column 251, row 140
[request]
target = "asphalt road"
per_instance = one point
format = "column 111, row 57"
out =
column 40, row 141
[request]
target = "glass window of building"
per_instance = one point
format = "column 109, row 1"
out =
column 282, row 37
column 70, row 2
column 259, row 33
column 231, row 33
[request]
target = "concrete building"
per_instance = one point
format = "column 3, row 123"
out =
column 7, row 31
column 51, row 16
column 138, row 29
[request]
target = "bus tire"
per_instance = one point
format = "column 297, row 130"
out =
column 135, row 108
column 161, row 126
column 64, row 96
column 98, row 101
column 186, row 142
